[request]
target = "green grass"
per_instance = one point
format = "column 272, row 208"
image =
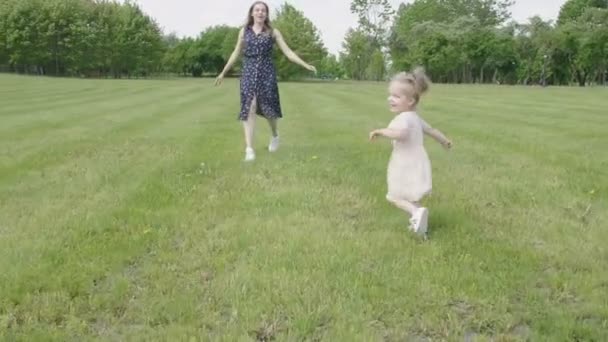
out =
column 126, row 213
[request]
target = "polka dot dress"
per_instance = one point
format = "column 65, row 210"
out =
column 259, row 77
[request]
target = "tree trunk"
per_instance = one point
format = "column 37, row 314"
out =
column 471, row 77
column 580, row 78
column 56, row 55
column 464, row 74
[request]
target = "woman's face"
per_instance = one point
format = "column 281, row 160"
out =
column 259, row 13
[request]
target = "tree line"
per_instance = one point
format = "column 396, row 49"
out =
column 464, row 41
column 457, row 41
column 78, row 37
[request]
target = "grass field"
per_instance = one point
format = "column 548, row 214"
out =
column 126, row 213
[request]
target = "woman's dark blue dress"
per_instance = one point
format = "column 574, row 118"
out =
column 259, row 77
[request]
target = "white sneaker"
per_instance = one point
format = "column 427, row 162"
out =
column 419, row 222
column 274, row 144
column 249, row 154
column 413, row 224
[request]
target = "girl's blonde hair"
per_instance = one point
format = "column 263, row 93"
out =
column 417, row 80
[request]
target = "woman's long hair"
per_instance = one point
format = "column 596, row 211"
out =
column 249, row 21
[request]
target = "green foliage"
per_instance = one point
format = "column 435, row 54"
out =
column 374, row 17
column 181, row 57
column 452, row 38
column 79, row 37
column 574, row 9
column 330, row 67
column 376, row 70
column 473, row 48
column 356, row 57
column 302, row 37
column 215, row 46
column 460, row 41
column 584, row 43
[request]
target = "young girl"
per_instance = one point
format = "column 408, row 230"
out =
column 409, row 169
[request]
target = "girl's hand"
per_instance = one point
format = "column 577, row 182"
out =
column 311, row 68
column 447, row 144
column 374, row 134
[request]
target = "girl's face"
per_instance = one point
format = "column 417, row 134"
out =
column 259, row 13
column 398, row 99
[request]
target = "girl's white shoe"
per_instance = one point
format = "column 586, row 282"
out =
column 419, row 222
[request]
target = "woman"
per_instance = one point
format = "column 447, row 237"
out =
column 259, row 90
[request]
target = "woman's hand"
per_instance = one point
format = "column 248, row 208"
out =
column 311, row 68
column 219, row 79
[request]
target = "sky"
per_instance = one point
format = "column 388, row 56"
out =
column 331, row 17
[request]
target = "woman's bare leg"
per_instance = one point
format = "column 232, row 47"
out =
column 249, row 125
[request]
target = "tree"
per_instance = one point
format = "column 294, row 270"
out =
column 302, row 37
column 189, row 57
column 503, row 59
column 484, row 13
column 27, row 48
column 6, row 8
column 229, row 43
column 487, row 12
column 141, row 40
column 60, row 28
column 170, row 40
column 535, row 44
column 330, row 67
column 355, row 57
column 86, row 58
column 376, row 69
column 597, row 21
column 74, row 37
column 456, row 40
column 584, row 44
column 215, row 46
column 374, row 18
column 573, row 9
